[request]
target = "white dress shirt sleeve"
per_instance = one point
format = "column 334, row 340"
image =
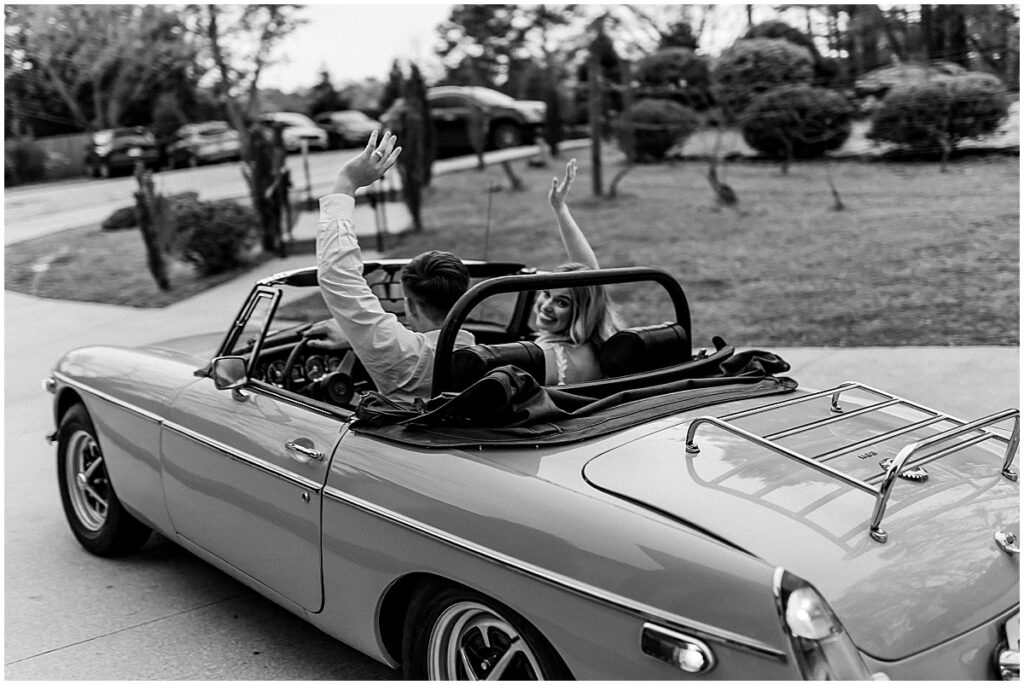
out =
column 392, row 354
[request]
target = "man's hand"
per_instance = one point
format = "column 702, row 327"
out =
column 369, row 165
column 326, row 335
column 559, row 191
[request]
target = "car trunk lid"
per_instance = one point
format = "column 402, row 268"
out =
column 941, row 572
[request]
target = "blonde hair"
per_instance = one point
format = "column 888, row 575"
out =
column 594, row 316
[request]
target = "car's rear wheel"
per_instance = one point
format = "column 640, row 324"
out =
column 453, row 633
column 507, row 134
column 95, row 514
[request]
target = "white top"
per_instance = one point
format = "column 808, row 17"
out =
column 566, row 363
column 400, row 361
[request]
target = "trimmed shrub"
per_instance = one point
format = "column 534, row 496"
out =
column 798, row 121
column 126, row 217
column 782, row 31
column 215, row 236
column 754, row 66
column 658, row 125
column 939, row 113
column 678, row 74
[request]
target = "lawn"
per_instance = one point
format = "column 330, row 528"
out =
column 92, row 265
column 917, row 257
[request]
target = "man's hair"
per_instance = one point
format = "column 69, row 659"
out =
column 436, row 280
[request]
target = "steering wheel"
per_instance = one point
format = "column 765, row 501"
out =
column 300, row 347
column 336, row 387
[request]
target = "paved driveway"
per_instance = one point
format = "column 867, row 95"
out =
column 160, row 614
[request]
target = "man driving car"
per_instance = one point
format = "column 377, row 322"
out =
column 399, row 359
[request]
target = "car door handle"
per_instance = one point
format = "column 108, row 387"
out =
column 302, row 449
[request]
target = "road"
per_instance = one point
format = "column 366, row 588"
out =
column 161, row 613
column 32, row 211
column 158, row 614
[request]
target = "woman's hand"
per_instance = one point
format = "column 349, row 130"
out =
column 559, row 191
column 369, row 165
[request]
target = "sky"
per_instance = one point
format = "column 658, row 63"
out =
column 354, row 42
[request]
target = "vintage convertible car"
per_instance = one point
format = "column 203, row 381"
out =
column 694, row 514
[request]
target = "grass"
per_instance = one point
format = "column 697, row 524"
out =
column 92, row 265
column 917, row 257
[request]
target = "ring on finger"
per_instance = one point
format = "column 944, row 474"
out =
column 377, row 154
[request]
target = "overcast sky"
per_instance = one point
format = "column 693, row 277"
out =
column 354, row 41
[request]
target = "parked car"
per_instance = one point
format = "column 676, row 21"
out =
column 346, row 128
column 689, row 515
column 204, row 142
column 510, row 122
column 116, row 150
column 878, row 82
column 295, row 129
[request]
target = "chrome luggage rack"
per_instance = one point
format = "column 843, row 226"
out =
column 880, row 486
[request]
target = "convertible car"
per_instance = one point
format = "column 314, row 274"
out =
column 692, row 514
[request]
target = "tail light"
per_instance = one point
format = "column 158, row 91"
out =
column 823, row 649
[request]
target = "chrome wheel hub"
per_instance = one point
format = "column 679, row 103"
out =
column 470, row 641
column 88, row 485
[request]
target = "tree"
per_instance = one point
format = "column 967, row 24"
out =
column 105, row 64
column 479, row 43
column 412, row 124
column 797, row 121
column 679, row 35
column 753, row 66
column 240, row 41
column 501, row 46
column 323, row 97
column 945, row 31
column 393, row 88
column 939, row 113
column 678, row 74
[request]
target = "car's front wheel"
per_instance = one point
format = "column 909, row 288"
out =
column 95, row 514
column 453, row 633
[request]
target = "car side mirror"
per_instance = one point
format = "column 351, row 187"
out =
column 229, row 373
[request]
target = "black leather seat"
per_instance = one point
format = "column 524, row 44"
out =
column 632, row 358
column 644, row 348
column 470, row 364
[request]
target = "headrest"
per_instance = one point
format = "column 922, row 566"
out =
column 469, row 364
column 644, row 348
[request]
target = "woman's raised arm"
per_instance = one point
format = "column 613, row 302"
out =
column 576, row 245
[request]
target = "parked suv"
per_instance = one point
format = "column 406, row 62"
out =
column 296, row 128
column 510, row 122
column 207, row 141
column 118, row 149
column 346, row 128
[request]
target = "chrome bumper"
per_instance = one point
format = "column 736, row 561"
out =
column 1008, row 656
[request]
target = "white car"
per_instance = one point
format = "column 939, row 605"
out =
column 297, row 128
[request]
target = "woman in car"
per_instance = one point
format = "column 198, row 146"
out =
column 572, row 322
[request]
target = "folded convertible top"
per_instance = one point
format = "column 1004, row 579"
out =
column 508, row 408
